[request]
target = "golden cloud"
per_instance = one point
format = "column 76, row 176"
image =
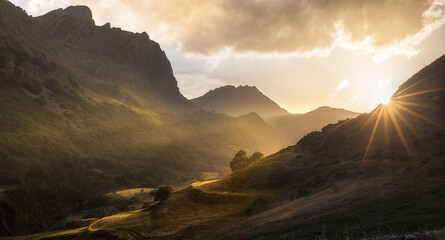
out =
column 209, row 27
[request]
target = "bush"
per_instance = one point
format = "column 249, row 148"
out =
column 241, row 160
column 163, row 193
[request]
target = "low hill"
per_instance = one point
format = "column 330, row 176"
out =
column 380, row 173
column 236, row 101
column 295, row 126
column 86, row 110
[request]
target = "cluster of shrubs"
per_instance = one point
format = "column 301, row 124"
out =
column 241, row 160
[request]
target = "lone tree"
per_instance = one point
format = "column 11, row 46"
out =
column 256, row 156
column 241, row 160
column 163, row 193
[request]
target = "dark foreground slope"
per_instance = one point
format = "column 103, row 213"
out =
column 85, row 110
column 380, row 173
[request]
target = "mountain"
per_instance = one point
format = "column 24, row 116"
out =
column 86, row 110
column 236, row 101
column 129, row 59
column 379, row 175
column 295, row 126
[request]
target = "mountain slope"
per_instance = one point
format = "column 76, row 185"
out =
column 295, row 126
column 380, row 173
column 82, row 115
column 236, row 101
column 114, row 55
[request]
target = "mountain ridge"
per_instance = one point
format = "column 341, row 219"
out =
column 236, row 101
column 240, row 100
column 115, row 55
column 295, row 126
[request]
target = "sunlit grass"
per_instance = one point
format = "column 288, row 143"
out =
column 132, row 192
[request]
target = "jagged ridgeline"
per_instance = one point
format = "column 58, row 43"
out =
column 87, row 109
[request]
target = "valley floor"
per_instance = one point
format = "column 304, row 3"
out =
column 199, row 212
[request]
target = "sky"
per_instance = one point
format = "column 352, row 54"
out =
column 302, row 54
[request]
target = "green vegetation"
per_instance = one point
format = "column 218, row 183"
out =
column 68, row 135
column 60, row 160
column 163, row 193
column 72, row 131
column 358, row 178
column 241, row 160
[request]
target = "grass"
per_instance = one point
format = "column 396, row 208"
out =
column 321, row 188
column 184, row 208
column 128, row 193
column 47, row 234
column 100, row 146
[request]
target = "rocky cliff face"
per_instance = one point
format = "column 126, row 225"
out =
column 111, row 54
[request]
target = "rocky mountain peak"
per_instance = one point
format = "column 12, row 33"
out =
column 122, row 57
column 237, row 101
column 82, row 13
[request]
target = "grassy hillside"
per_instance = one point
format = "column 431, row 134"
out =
column 380, row 173
column 68, row 134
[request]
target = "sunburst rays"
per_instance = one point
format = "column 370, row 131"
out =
column 394, row 116
column 398, row 117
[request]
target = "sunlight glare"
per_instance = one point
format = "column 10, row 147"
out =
column 385, row 101
column 382, row 97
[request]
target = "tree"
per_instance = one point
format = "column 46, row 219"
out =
column 241, row 160
column 256, row 156
column 238, row 161
column 163, row 193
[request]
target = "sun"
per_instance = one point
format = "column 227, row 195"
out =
column 386, row 100
column 381, row 97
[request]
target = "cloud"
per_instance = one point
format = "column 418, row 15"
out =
column 39, row 6
column 296, row 28
column 283, row 26
column 342, row 85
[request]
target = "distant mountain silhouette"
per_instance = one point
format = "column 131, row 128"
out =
column 236, row 101
column 295, row 126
